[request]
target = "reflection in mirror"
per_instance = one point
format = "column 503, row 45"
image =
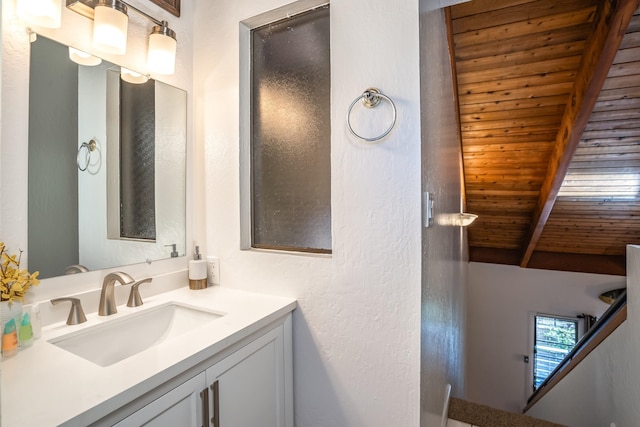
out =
column 106, row 166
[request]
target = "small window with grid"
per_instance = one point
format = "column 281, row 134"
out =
column 554, row 338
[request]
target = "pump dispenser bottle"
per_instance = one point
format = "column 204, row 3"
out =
column 197, row 271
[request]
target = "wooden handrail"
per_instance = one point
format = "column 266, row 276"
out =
column 615, row 315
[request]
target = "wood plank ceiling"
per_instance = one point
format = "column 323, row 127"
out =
column 549, row 111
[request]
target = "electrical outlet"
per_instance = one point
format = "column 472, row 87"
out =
column 213, row 270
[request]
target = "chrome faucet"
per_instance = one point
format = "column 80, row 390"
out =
column 107, row 304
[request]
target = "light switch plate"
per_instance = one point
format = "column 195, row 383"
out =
column 427, row 209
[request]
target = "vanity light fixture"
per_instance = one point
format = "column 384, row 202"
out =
column 40, row 13
column 162, row 49
column 131, row 76
column 110, row 32
column 83, row 58
column 110, row 22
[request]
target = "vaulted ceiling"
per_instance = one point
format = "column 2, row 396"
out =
column 549, row 112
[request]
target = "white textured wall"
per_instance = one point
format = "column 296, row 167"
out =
column 443, row 247
column 604, row 389
column 356, row 332
column 501, row 300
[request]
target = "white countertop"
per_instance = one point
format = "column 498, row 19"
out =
column 44, row 385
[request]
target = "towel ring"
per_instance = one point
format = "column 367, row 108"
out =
column 370, row 99
column 89, row 146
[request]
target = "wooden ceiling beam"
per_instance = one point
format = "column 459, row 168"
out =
column 610, row 25
column 582, row 263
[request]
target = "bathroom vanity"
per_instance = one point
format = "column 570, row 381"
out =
column 222, row 357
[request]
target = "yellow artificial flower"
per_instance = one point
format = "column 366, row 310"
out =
column 14, row 283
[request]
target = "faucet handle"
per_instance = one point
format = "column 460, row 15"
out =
column 135, row 299
column 76, row 314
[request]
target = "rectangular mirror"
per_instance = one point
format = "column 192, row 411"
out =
column 107, row 162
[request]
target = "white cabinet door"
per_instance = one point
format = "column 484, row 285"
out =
column 247, row 388
column 252, row 387
column 181, row 407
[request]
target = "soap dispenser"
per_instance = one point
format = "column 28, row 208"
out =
column 197, row 271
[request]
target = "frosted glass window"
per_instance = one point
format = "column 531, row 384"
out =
column 291, row 134
column 137, row 161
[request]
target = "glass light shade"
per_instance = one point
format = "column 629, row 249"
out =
column 466, row 219
column 456, row 219
column 162, row 54
column 110, row 30
column 130, row 76
column 83, row 58
column 41, row 13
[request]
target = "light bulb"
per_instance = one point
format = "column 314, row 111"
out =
column 162, row 50
column 110, row 23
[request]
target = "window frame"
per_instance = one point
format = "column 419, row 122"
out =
column 532, row 342
column 245, row 83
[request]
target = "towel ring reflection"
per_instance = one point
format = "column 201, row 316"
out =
column 88, row 147
column 371, row 98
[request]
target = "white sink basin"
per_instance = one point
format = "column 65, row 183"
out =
column 120, row 338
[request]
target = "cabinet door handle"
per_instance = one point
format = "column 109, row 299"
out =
column 204, row 395
column 215, row 387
